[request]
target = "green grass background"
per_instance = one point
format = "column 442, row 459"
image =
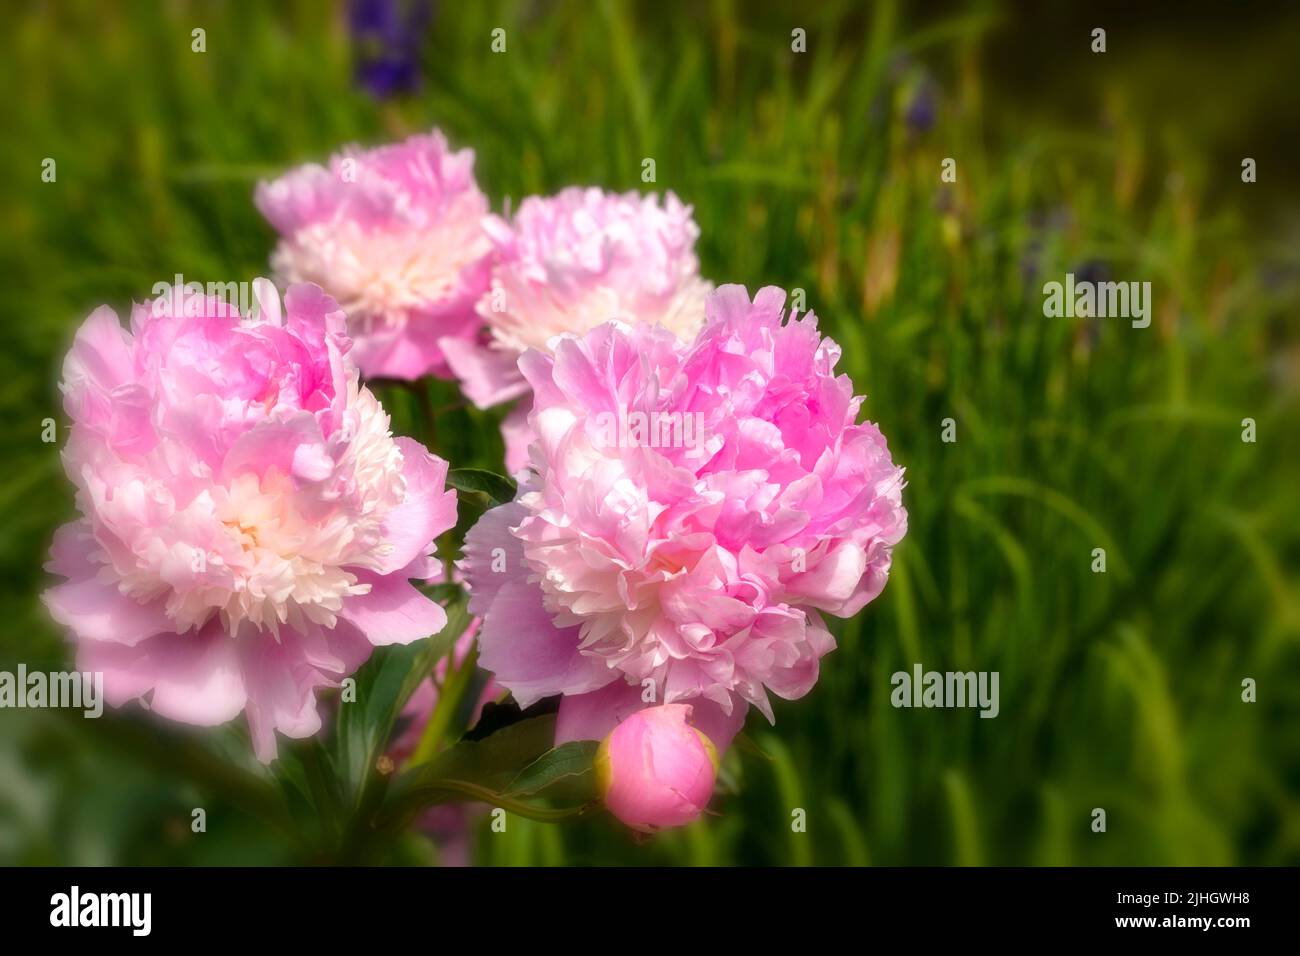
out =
column 1119, row 690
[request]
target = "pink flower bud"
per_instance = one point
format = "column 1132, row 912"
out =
column 656, row 770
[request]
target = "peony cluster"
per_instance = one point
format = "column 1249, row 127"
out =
column 249, row 527
column 566, row 264
column 636, row 566
column 395, row 235
column 696, row 492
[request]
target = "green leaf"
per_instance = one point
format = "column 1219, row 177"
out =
column 186, row 755
column 498, row 488
column 306, row 774
column 444, row 592
column 383, row 685
column 746, row 744
column 291, row 777
column 451, row 695
column 566, row 771
column 495, row 760
column 502, row 769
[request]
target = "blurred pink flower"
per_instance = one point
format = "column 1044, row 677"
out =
column 249, row 526
column 692, row 510
column 655, row 770
column 567, row 263
column 395, row 235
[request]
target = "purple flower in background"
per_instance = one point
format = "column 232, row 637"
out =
column 1031, row 259
column 921, row 108
column 387, row 34
column 1092, row 270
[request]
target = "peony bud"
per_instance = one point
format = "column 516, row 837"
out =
column 655, row 770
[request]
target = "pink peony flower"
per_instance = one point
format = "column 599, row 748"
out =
column 395, row 235
column 692, row 510
column 566, row 264
column 655, row 770
column 249, row 527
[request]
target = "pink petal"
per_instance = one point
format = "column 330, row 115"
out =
column 393, row 612
column 396, row 354
column 292, row 446
column 593, row 716
column 101, row 352
column 528, row 654
column 96, row 611
column 427, row 511
column 518, row 435
column 487, row 376
column 834, row 579
column 70, row 551
column 281, row 691
column 493, row 555
column 195, row 678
